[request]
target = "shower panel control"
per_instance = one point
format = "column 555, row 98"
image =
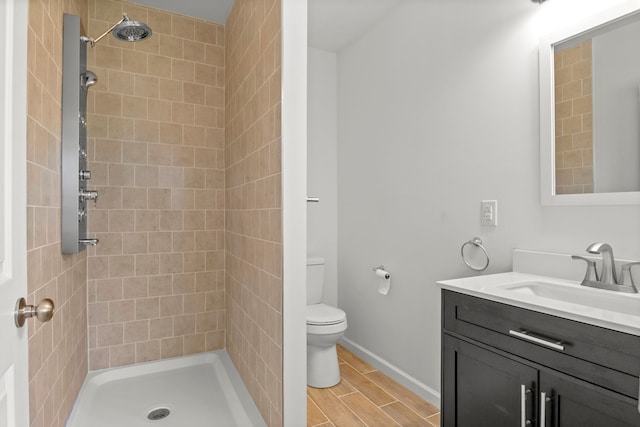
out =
column 89, row 195
column 76, row 81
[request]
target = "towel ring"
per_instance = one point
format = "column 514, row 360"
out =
column 477, row 242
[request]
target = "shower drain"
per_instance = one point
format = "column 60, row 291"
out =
column 158, row 414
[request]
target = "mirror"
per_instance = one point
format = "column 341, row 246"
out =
column 590, row 111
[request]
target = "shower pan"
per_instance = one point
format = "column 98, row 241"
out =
column 76, row 81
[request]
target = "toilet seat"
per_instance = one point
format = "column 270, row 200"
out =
column 324, row 315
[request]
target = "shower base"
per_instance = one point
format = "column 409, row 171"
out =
column 203, row 389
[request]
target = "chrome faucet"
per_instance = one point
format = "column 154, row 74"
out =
column 608, row 274
column 608, row 279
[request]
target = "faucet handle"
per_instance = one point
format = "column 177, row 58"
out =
column 627, row 278
column 591, row 274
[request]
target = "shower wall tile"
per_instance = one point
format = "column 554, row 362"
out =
column 57, row 349
column 253, row 241
column 151, row 150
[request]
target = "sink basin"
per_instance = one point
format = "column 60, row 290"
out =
column 594, row 298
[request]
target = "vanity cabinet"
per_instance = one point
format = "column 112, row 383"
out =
column 560, row 373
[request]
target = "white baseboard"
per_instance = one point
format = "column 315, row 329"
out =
column 418, row 387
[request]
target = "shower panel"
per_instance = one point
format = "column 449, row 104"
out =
column 76, row 80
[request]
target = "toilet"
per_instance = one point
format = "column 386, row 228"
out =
column 325, row 326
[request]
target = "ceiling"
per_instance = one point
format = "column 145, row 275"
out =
column 210, row 10
column 333, row 24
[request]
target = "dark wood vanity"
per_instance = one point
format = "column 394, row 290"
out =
column 560, row 373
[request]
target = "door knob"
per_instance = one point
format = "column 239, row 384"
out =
column 43, row 311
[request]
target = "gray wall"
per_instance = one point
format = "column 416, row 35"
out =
column 322, row 164
column 438, row 110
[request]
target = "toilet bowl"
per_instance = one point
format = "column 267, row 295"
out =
column 325, row 326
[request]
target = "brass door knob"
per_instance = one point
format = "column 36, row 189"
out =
column 43, row 311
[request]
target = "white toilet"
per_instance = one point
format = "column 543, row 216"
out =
column 325, row 326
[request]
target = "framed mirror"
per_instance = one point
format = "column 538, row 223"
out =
column 590, row 111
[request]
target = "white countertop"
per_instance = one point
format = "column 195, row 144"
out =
column 494, row 287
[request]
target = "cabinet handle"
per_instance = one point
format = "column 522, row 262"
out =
column 526, row 335
column 524, row 422
column 543, row 408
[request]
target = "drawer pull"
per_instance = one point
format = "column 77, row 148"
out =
column 526, row 335
column 524, row 391
column 543, row 408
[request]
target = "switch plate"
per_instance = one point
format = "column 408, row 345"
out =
column 489, row 212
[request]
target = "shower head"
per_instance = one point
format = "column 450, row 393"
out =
column 88, row 79
column 130, row 31
column 126, row 30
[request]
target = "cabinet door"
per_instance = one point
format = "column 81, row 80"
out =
column 483, row 389
column 574, row 403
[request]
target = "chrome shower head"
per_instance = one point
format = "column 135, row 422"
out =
column 131, row 31
column 88, row 79
column 126, row 30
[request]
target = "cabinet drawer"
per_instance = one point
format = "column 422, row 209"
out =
column 595, row 354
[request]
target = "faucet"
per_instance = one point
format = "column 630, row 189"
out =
column 608, row 279
column 608, row 274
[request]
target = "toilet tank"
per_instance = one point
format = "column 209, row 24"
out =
column 315, row 279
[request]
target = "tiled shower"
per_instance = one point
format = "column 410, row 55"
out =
column 184, row 149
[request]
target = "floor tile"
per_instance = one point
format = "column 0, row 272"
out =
column 366, row 397
column 410, row 399
column 405, row 416
column 337, row 411
column 367, row 387
column 353, row 360
column 372, row 415
column 315, row 416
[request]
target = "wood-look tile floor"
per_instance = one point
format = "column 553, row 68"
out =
column 366, row 397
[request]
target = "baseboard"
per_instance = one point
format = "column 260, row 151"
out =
column 416, row 386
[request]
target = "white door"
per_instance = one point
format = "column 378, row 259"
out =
column 14, row 395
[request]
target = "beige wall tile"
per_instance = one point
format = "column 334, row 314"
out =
column 159, row 66
column 161, row 328
column 136, row 331
column 147, row 351
column 252, row 183
column 161, row 285
column 108, row 335
column 155, row 144
column 121, row 266
column 159, row 110
column 184, row 325
column 194, row 344
column 171, row 347
column 122, row 355
column 147, row 308
column 170, row 46
column 160, row 242
column 171, row 305
column 147, row 265
column 135, row 243
column 122, row 311
column 182, row 26
column 121, row 82
column 134, row 152
column 134, row 287
column 108, row 290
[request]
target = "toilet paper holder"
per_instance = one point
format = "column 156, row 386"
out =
column 381, row 267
